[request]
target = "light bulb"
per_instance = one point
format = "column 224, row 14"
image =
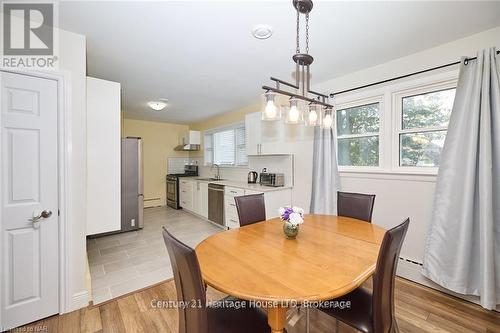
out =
column 313, row 117
column 270, row 109
column 327, row 121
column 293, row 114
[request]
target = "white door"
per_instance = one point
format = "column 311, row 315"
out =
column 29, row 199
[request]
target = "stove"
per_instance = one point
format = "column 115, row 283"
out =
column 173, row 184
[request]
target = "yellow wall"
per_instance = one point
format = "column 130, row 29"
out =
column 159, row 140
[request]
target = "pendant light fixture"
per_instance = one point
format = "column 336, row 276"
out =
column 313, row 117
column 327, row 118
column 270, row 108
column 294, row 113
column 305, row 106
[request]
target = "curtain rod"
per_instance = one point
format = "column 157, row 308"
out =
column 405, row 76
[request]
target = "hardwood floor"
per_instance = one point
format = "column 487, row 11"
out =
column 418, row 309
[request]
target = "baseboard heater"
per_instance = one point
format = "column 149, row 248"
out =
column 152, row 202
column 411, row 261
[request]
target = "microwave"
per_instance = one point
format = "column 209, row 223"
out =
column 272, row 179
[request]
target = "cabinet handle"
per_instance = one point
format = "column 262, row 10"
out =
column 233, row 192
column 232, row 205
column 233, row 221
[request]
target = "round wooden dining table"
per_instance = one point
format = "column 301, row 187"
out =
column 330, row 257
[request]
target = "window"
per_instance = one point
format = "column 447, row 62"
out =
column 226, row 147
column 358, row 135
column 422, row 129
column 395, row 128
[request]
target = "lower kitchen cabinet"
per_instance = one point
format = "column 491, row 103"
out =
column 194, row 196
column 186, row 190
column 273, row 201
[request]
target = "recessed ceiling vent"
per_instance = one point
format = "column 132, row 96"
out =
column 262, row 31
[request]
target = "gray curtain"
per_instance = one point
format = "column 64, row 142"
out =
column 462, row 251
column 325, row 180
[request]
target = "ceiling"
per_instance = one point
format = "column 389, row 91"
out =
column 202, row 57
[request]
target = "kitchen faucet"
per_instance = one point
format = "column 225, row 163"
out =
column 217, row 175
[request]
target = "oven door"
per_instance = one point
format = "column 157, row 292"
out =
column 172, row 193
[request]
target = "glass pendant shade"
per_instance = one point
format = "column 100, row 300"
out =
column 327, row 122
column 270, row 108
column 295, row 113
column 313, row 116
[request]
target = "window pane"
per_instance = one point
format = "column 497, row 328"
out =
column 358, row 120
column 224, row 148
column 241, row 150
column 358, row 151
column 428, row 110
column 421, row 149
column 209, row 152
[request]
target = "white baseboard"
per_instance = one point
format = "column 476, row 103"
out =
column 79, row 300
column 411, row 271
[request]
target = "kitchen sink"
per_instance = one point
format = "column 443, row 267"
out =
column 210, row 179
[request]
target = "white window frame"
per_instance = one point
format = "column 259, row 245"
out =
column 397, row 102
column 212, row 131
column 356, row 103
column 390, row 98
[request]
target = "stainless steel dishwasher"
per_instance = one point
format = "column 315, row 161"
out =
column 216, row 203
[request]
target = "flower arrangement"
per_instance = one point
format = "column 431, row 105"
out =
column 293, row 218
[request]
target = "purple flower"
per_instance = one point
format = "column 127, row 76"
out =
column 285, row 213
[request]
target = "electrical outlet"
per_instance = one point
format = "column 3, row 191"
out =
column 132, row 222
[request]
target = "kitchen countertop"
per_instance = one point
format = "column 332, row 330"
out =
column 244, row 185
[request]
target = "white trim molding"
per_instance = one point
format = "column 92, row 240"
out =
column 80, row 300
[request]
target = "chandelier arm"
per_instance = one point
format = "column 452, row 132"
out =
column 284, row 82
column 318, row 94
column 290, row 94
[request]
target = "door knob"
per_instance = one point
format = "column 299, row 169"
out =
column 43, row 215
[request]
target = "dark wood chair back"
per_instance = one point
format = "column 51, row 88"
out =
column 251, row 208
column 384, row 279
column 189, row 285
column 356, row 205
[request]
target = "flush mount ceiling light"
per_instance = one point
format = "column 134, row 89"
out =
column 318, row 108
column 262, row 31
column 157, row 105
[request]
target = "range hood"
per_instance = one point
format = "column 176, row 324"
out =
column 189, row 142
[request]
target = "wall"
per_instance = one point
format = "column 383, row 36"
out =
column 103, row 156
column 159, row 141
column 73, row 62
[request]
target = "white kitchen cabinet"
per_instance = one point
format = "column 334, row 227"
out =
column 186, row 194
column 103, row 156
column 266, row 137
column 273, row 201
column 200, row 199
column 194, row 196
column 276, row 199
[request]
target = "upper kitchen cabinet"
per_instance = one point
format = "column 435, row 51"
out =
column 273, row 137
column 265, row 137
column 103, row 156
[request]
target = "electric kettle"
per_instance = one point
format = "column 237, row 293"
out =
column 252, row 177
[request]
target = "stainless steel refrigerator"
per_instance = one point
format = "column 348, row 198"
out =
column 132, row 184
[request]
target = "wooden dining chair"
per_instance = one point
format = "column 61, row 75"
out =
column 197, row 317
column 355, row 205
column 251, row 208
column 373, row 312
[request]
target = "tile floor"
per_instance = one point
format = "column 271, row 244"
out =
column 126, row 262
